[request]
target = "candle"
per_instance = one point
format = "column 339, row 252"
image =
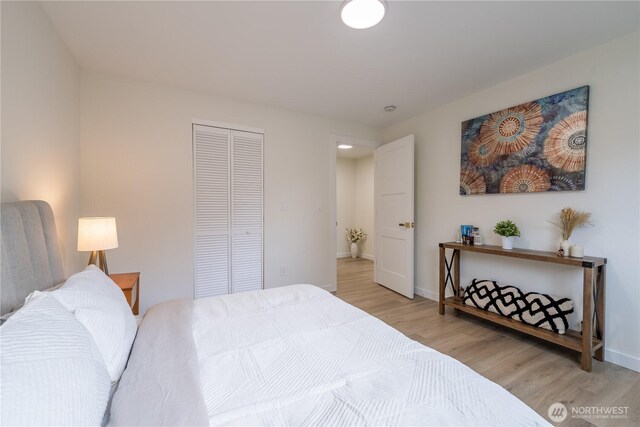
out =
column 576, row 251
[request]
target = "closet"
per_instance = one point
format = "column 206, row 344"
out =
column 228, row 198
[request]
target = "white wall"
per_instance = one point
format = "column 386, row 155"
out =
column 345, row 203
column 137, row 166
column 612, row 195
column 364, row 203
column 41, row 120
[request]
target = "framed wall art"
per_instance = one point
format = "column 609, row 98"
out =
column 533, row 147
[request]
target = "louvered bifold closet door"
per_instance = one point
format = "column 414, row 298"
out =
column 212, row 210
column 246, row 208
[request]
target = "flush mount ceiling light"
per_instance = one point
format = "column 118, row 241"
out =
column 344, row 146
column 361, row 14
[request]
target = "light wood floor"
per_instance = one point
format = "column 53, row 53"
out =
column 537, row 373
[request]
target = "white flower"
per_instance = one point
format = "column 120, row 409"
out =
column 355, row 235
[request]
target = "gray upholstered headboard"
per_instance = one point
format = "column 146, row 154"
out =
column 31, row 257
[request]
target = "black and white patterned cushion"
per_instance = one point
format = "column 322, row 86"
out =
column 533, row 308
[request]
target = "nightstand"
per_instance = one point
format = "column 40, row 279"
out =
column 130, row 285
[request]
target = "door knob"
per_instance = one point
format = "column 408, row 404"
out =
column 407, row 224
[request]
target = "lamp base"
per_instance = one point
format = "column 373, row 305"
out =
column 99, row 259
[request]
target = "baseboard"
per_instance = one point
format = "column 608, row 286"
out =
column 348, row 255
column 328, row 288
column 426, row 294
column 622, row 359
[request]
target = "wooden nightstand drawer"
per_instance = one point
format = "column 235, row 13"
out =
column 130, row 285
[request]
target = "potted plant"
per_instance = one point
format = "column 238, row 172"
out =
column 355, row 236
column 508, row 230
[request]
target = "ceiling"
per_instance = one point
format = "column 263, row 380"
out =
column 355, row 152
column 298, row 55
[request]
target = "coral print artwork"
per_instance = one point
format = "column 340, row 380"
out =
column 536, row 146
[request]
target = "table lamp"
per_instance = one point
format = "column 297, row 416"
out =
column 97, row 234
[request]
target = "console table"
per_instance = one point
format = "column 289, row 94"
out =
column 590, row 340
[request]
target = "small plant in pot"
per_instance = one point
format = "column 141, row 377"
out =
column 508, row 230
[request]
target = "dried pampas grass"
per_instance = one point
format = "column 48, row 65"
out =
column 570, row 219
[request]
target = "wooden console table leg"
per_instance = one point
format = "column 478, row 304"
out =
column 601, row 283
column 442, row 282
column 587, row 319
column 456, row 276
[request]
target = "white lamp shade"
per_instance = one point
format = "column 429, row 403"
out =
column 97, row 233
column 361, row 14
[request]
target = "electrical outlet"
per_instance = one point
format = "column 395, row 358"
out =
column 283, row 270
column 284, row 206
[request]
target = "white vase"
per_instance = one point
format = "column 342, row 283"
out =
column 354, row 250
column 507, row 242
column 566, row 246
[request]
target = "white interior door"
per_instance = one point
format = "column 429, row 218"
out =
column 394, row 217
column 246, row 211
column 211, row 149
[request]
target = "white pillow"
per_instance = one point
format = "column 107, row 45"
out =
column 99, row 304
column 51, row 370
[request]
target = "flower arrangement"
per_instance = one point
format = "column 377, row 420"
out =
column 507, row 228
column 570, row 219
column 355, row 235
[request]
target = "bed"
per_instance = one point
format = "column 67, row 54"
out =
column 290, row 356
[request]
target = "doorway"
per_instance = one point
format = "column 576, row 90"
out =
column 392, row 234
column 354, row 213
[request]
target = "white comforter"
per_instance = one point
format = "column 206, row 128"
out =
column 299, row 356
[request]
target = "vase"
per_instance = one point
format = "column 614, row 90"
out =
column 565, row 245
column 354, row 250
column 507, row 242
